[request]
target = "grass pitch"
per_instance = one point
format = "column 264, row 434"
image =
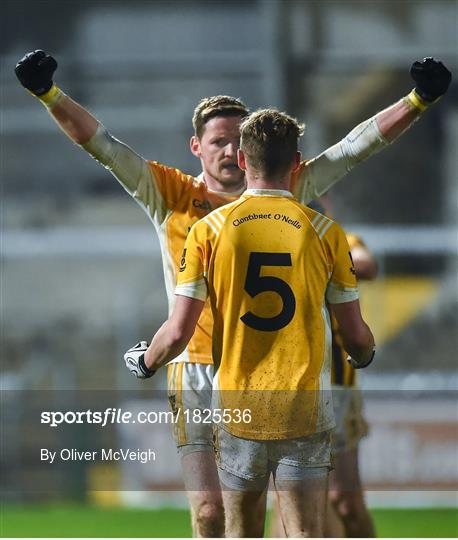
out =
column 85, row 521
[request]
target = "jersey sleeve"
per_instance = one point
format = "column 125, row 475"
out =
column 342, row 286
column 155, row 187
column 315, row 177
column 170, row 183
column 192, row 274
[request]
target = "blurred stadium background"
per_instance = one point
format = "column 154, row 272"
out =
column 81, row 272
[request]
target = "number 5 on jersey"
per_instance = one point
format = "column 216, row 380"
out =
column 256, row 284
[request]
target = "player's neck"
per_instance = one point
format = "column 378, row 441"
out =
column 256, row 180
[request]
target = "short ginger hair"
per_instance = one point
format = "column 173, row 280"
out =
column 269, row 140
column 210, row 107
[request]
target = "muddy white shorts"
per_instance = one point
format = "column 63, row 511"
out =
column 189, row 392
column 246, row 465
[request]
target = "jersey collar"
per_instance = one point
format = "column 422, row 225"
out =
column 269, row 192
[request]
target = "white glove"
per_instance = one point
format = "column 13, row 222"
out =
column 135, row 361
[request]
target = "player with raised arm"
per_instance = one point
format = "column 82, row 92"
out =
column 174, row 201
column 268, row 265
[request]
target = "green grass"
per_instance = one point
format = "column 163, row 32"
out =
column 419, row 523
column 85, row 521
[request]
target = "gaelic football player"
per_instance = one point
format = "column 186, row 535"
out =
column 268, row 265
column 174, row 201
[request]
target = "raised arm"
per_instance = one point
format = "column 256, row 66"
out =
column 74, row 120
column 432, row 80
column 35, row 72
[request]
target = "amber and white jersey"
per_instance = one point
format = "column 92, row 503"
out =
column 268, row 265
column 174, row 201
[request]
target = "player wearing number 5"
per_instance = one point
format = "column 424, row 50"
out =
column 268, row 265
column 174, row 201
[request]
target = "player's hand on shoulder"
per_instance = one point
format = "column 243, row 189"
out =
column 135, row 361
column 35, row 71
column 431, row 77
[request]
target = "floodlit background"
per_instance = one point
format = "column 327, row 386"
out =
column 81, row 271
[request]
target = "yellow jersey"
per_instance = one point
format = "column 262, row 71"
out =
column 268, row 265
column 174, row 201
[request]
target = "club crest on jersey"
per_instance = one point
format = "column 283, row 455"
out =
column 183, row 261
column 203, row 205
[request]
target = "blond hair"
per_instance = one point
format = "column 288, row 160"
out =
column 269, row 140
column 210, row 107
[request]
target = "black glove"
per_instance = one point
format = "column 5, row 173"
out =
column 357, row 365
column 35, row 71
column 432, row 79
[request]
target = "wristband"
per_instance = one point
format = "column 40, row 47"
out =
column 147, row 372
column 52, row 97
column 415, row 101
